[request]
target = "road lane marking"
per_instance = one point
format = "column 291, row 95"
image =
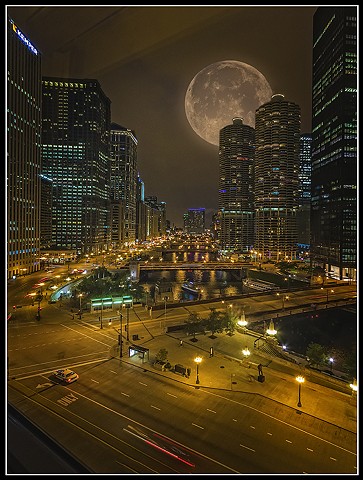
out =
column 310, row 449
column 195, row 425
column 209, row 410
column 268, row 433
column 332, row 458
column 288, row 441
column 251, row 426
column 248, row 448
column 113, row 371
column 94, row 380
column 156, row 408
column 145, row 385
column 126, row 394
column 234, row 420
column 171, row 395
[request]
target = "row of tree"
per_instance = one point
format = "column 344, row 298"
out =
column 215, row 322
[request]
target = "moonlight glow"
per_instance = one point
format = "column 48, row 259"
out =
column 222, row 91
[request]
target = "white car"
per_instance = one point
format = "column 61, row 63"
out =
column 66, row 375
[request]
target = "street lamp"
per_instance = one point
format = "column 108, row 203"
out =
column 165, row 299
column 242, row 322
column 300, row 379
column 271, row 329
column 284, row 297
column 327, row 294
column 197, row 361
column 246, row 352
column 354, row 386
column 120, row 340
column 331, row 360
column 80, row 305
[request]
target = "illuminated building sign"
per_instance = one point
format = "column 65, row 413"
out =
column 24, row 39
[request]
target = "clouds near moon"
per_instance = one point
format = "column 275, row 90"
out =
column 222, row 91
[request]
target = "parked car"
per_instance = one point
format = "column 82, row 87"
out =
column 66, row 375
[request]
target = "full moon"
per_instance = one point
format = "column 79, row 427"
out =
column 222, row 91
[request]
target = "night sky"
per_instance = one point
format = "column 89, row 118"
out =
column 145, row 57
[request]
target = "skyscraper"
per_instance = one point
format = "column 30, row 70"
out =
column 23, row 152
column 194, row 221
column 303, row 212
column 276, row 178
column 75, row 154
column 123, row 177
column 334, row 147
column 235, row 196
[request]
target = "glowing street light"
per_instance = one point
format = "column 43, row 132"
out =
column 242, row 322
column 331, row 360
column 80, row 305
column 198, row 361
column 300, row 379
column 246, row 352
column 284, row 297
column 271, row 329
column 354, row 386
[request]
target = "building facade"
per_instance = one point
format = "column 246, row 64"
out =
column 194, row 221
column 235, row 194
column 75, row 156
column 303, row 212
column 123, row 178
column 334, row 142
column 23, row 153
column 276, row 179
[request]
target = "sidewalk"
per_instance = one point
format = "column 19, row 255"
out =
column 322, row 407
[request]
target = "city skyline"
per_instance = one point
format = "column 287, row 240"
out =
column 146, row 78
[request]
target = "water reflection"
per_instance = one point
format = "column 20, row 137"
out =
column 213, row 283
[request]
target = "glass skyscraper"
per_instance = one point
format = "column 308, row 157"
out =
column 334, row 147
column 23, row 152
column 276, row 179
column 235, row 195
column 75, row 155
column 123, row 177
column 303, row 212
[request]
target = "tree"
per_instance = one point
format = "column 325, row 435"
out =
column 161, row 356
column 193, row 324
column 213, row 322
column 316, row 354
column 229, row 320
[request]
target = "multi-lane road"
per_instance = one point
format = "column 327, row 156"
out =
column 120, row 419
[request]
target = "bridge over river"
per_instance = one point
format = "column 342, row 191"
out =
column 149, row 266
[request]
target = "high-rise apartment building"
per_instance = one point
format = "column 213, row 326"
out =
column 235, row 195
column 75, row 156
column 24, row 98
column 334, row 147
column 276, row 178
column 194, row 221
column 46, row 212
column 303, row 212
column 123, row 178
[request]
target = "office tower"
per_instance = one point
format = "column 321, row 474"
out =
column 277, row 178
column 75, row 156
column 123, row 176
column 46, row 211
column 235, row 196
column 23, row 152
column 140, row 211
column 303, row 212
column 158, row 214
column 194, row 221
column 334, row 147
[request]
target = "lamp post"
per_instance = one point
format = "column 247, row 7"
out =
column 246, row 352
column 271, row 329
column 101, row 312
column 331, row 360
column 300, row 379
column 120, row 334
column 80, row 305
column 242, row 322
column 197, row 361
column 127, row 321
column 165, row 299
column 354, row 386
